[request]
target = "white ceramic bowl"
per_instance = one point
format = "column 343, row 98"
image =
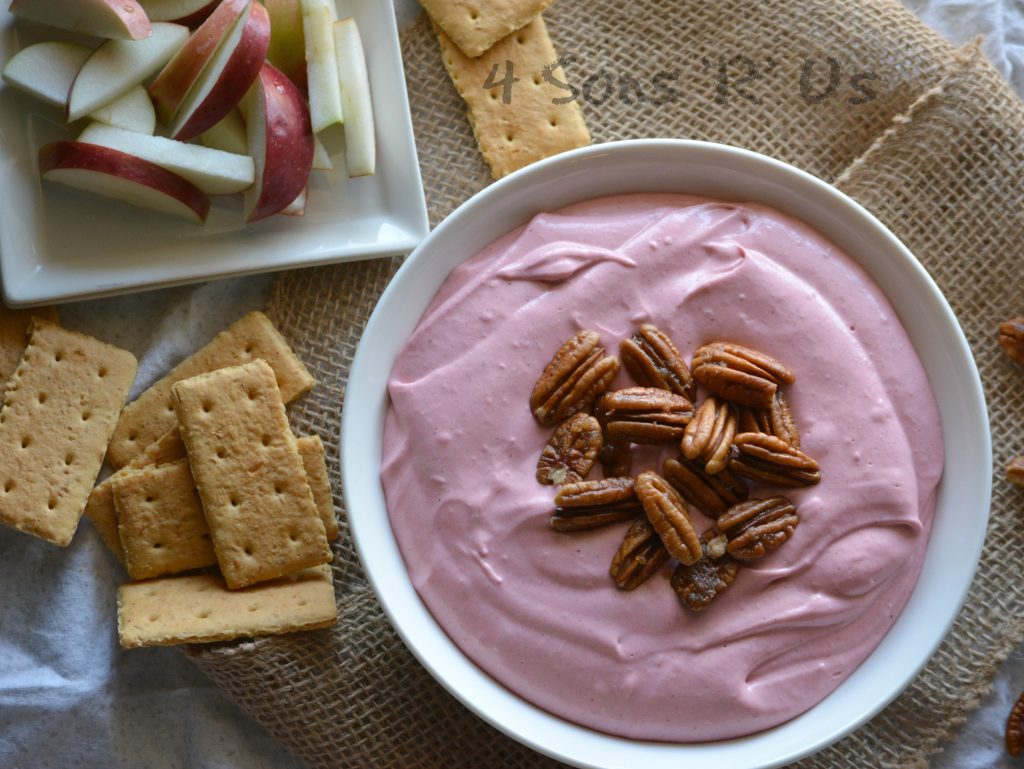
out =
column 732, row 174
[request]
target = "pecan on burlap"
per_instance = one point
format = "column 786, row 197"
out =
column 700, row 583
column 758, row 526
column 740, row 374
column 1015, row 471
column 571, row 451
column 639, row 556
column 776, row 420
column 572, row 379
column 1011, row 337
column 592, row 504
column 712, row 495
column 653, row 360
column 709, row 434
column 772, row 461
column 645, row 415
column 666, row 511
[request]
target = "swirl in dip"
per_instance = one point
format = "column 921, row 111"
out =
column 537, row 609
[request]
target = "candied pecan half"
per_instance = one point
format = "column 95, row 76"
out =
column 712, row 495
column 1011, row 337
column 740, row 374
column 639, row 556
column 1015, row 728
column 574, row 377
column 645, row 415
column 571, row 451
column 654, row 361
column 709, row 434
column 616, row 456
column 758, row 526
column 700, row 583
column 1015, row 471
column 591, row 504
column 666, row 511
column 776, row 420
column 770, row 460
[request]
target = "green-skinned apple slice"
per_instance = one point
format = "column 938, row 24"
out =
column 117, row 175
column 360, row 144
column 117, row 66
column 287, row 41
column 325, row 107
column 117, row 19
column 280, row 142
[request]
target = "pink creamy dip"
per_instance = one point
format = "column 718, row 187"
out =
column 536, row 609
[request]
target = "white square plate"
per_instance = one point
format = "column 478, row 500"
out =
column 59, row 244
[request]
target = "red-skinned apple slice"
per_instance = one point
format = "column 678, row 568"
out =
column 191, row 13
column 182, row 71
column 287, row 42
column 117, row 66
column 124, row 177
column 227, row 77
column 117, row 19
column 280, row 142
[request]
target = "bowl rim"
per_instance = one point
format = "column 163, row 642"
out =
column 454, row 670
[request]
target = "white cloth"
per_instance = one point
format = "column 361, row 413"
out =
column 69, row 697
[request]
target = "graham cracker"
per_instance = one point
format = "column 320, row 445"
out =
column 200, row 608
column 263, row 520
column 14, row 334
column 311, row 449
column 99, row 508
column 59, row 410
column 531, row 123
column 160, row 521
column 252, row 337
column 475, row 26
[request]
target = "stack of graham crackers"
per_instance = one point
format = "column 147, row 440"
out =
column 208, row 474
column 504, row 66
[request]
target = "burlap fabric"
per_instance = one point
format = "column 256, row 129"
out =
column 938, row 155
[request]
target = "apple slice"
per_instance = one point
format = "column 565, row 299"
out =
column 184, row 69
column 287, row 41
column 280, row 141
column 228, row 135
column 133, row 112
column 46, row 70
column 215, row 172
column 321, row 160
column 119, row 19
column 227, row 77
column 321, row 65
column 360, row 145
column 191, row 13
column 117, row 175
column 298, row 206
column 118, row 65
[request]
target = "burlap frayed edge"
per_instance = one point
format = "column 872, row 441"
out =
column 963, row 58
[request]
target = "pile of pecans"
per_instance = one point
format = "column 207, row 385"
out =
column 742, row 429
